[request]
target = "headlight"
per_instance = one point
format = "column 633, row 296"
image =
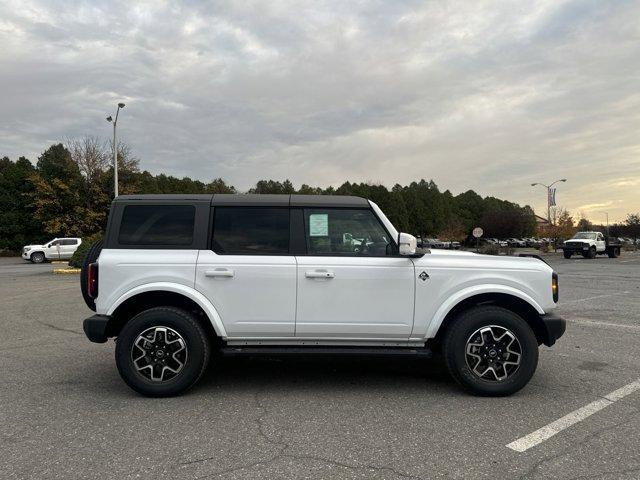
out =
column 26, row 249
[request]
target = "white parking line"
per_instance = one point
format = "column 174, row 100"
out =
column 596, row 297
column 548, row 431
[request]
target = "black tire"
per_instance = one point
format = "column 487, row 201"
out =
column 613, row 252
column 567, row 254
column 197, row 351
column 591, row 253
column 459, row 333
column 37, row 257
column 92, row 255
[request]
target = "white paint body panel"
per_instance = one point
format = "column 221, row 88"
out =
column 255, row 295
column 364, row 298
column 122, row 270
column 455, row 276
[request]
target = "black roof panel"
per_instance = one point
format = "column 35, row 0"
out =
column 253, row 200
column 165, row 197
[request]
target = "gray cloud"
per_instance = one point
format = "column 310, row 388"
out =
column 484, row 95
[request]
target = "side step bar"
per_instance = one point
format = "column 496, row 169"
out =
column 422, row 352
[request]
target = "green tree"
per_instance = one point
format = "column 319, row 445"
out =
column 18, row 226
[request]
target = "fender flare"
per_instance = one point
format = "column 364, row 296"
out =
column 189, row 292
column 469, row 292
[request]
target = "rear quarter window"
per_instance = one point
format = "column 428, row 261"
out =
column 170, row 225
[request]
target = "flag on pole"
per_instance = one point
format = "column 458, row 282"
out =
column 552, row 197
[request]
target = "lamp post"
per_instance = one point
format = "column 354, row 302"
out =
column 607, row 214
column 115, row 149
column 548, row 187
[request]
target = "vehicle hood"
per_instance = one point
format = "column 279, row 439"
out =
column 459, row 259
column 578, row 240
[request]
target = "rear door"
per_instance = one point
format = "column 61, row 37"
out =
column 249, row 273
column 67, row 247
column 351, row 282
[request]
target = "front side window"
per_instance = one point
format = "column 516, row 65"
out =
column 251, row 230
column 157, row 225
column 345, row 232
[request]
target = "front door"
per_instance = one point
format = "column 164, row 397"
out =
column 249, row 274
column 352, row 283
column 601, row 245
column 52, row 251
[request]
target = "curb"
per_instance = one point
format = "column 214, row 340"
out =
column 63, row 271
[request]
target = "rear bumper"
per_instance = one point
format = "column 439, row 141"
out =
column 97, row 328
column 554, row 328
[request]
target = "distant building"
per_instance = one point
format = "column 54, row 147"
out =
column 542, row 226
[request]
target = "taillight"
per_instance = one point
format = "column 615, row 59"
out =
column 92, row 280
column 554, row 286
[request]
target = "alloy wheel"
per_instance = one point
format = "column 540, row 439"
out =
column 493, row 353
column 159, row 354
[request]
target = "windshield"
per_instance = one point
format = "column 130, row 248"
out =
column 585, row 236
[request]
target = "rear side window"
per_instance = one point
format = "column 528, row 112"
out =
column 251, row 230
column 157, row 225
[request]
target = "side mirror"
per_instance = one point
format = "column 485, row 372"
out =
column 407, row 244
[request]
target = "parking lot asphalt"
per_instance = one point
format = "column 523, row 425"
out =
column 65, row 413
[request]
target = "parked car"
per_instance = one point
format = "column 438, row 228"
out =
column 56, row 249
column 433, row 243
column 590, row 244
column 516, row 242
column 532, row 242
column 181, row 276
column 498, row 242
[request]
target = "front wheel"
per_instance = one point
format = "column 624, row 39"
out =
column 37, row 257
column 490, row 351
column 591, row 253
column 162, row 352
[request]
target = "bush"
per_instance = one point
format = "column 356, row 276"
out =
column 490, row 249
column 78, row 257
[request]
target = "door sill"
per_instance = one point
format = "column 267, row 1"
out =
column 323, row 342
column 421, row 352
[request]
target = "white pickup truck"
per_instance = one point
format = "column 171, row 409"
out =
column 181, row 275
column 590, row 244
column 56, row 249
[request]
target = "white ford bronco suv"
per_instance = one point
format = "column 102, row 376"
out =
column 181, row 276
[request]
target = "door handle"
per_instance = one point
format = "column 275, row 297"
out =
column 319, row 274
column 219, row 272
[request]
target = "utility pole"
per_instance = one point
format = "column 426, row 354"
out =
column 548, row 187
column 115, row 150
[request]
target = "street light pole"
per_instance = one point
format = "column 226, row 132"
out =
column 115, row 150
column 548, row 187
column 607, row 214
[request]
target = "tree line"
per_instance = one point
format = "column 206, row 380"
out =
column 69, row 190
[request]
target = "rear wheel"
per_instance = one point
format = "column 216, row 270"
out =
column 162, row 352
column 490, row 351
column 567, row 254
column 613, row 252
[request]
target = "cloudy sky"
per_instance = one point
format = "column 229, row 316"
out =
column 489, row 96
